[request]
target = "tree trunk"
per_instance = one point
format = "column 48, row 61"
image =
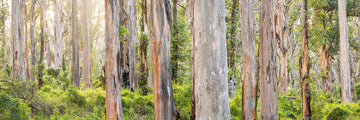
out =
column 26, row 44
column 268, row 62
column 210, row 60
column 130, row 9
column 282, row 41
column 42, row 44
column 160, row 35
column 305, row 88
column 143, row 46
column 32, row 26
column 17, row 38
column 233, row 44
column 325, row 60
column 75, row 46
column 3, row 19
column 113, row 64
column 58, row 32
column 249, row 92
column 344, row 53
column 86, row 44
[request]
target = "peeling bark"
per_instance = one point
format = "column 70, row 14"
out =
column 160, row 37
column 305, row 88
column 249, row 92
column 268, row 62
column 113, row 64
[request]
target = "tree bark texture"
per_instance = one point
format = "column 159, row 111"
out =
column 249, row 92
column 210, row 80
column 130, row 41
column 281, row 33
column 17, row 39
column 113, row 64
column 344, row 53
column 160, row 35
column 268, row 62
column 305, row 88
column 58, row 32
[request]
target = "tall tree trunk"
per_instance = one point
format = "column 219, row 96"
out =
column 3, row 19
column 160, row 35
column 17, row 38
column 42, row 44
column 130, row 9
column 32, row 26
column 344, row 53
column 282, row 40
column 58, row 33
column 210, row 60
column 249, row 92
column 305, row 88
column 233, row 21
column 113, row 64
column 143, row 46
column 75, row 46
column 26, row 44
column 86, row 44
column 268, row 62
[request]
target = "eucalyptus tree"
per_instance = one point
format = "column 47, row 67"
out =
column 210, row 86
column 268, row 62
column 160, row 36
column 17, row 39
column 112, row 63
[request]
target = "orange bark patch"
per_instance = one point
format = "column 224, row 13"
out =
column 156, row 81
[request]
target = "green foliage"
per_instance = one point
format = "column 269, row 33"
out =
column 123, row 32
column 13, row 109
column 338, row 114
column 137, row 106
column 183, row 100
column 180, row 50
column 74, row 97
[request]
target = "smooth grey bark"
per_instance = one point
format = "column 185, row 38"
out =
column 17, row 39
column 344, row 53
column 75, row 46
column 249, row 92
column 112, row 63
column 86, row 43
column 210, row 61
column 160, row 37
column 268, row 62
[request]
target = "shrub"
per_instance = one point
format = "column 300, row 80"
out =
column 13, row 109
column 74, row 97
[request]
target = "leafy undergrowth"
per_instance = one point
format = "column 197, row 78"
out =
column 58, row 99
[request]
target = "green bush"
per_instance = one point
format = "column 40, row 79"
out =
column 13, row 109
column 73, row 96
column 338, row 114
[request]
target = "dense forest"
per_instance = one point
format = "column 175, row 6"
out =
column 179, row 59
